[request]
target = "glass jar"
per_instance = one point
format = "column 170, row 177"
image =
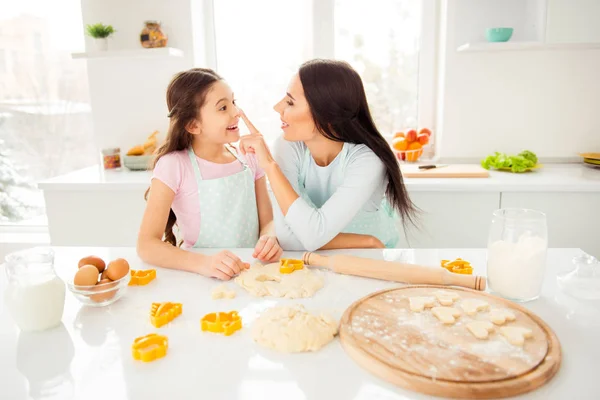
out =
column 35, row 295
column 516, row 253
column 111, row 158
column 583, row 282
column 152, row 35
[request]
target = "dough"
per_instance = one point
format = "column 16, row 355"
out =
column 222, row 292
column 447, row 315
column 446, row 298
column 291, row 329
column 480, row 329
column 266, row 280
column 499, row 316
column 472, row 306
column 418, row 304
column 516, row 334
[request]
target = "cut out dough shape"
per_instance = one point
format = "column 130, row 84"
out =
column 266, row 280
column 480, row 329
column 499, row 316
column 446, row 298
column 472, row 306
column 446, row 315
column 292, row 329
column 222, row 292
column 516, row 335
column 418, row 304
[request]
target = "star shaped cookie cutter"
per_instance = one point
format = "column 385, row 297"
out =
column 150, row 347
column 222, row 322
column 289, row 265
column 163, row 313
column 458, row 266
column 142, row 277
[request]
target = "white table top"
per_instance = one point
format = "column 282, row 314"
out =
column 89, row 355
column 552, row 177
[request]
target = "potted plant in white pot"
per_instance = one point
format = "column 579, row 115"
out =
column 100, row 33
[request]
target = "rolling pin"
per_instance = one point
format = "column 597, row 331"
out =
column 393, row 271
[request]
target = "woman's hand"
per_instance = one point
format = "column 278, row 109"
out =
column 267, row 249
column 224, row 265
column 255, row 143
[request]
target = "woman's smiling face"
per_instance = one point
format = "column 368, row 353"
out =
column 296, row 118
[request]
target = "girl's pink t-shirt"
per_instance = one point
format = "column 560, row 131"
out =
column 175, row 170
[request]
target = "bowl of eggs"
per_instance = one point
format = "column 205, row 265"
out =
column 97, row 284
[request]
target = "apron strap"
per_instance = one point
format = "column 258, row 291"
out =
column 304, row 168
column 235, row 154
column 195, row 166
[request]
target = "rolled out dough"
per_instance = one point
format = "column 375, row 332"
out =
column 266, row 280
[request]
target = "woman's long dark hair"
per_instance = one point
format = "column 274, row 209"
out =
column 338, row 104
column 185, row 96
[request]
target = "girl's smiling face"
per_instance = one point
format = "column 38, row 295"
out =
column 218, row 116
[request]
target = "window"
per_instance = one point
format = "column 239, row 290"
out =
column 45, row 119
column 259, row 74
column 390, row 43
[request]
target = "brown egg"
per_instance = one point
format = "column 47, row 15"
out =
column 86, row 276
column 93, row 260
column 104, row 274
column 102, row 285
column 117, row 269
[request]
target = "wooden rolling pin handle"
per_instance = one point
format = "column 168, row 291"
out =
column 393, row 271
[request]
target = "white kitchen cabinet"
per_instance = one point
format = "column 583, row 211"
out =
column 573, row 217
column 94, row 217
column 93, row 207
column 451, row 219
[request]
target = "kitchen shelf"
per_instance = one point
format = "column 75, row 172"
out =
column 131, row 53
column 524, row 46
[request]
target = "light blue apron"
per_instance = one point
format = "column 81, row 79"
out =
column 381, row 223
column 228, row 212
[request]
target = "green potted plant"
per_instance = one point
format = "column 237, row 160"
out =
column 100, row 33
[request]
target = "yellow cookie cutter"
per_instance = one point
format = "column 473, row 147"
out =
column 222, row 322
column 163, row 313
column 458, row 266
column 149, row 347
column 142, row 277
column 289, row 265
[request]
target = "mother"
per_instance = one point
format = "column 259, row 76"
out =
column 336, row 181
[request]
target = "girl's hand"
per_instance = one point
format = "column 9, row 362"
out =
column 224, row 265
column 255, row 143
column 267, row 249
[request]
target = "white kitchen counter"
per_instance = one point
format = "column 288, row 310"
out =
column 552, row 177
column 89, row 355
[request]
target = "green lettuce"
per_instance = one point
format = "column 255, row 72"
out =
column 519, row 163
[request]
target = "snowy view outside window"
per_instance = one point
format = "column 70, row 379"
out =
column 45, row 114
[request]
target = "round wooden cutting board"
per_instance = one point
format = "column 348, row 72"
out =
column 416, row 351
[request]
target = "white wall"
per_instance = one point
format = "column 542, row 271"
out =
column 128, row 94
column 573, row 21
column 547, row 101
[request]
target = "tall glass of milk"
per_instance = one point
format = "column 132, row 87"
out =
column 35, row 295
column 516, row 253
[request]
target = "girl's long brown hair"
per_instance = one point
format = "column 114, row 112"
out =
column 186, row 94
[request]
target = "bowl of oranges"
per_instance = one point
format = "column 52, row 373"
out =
column 408, row 146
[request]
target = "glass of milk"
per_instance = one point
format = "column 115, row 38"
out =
column 35, row 295
column 516, row 253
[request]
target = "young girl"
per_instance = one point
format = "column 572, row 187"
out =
column 218, row 197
